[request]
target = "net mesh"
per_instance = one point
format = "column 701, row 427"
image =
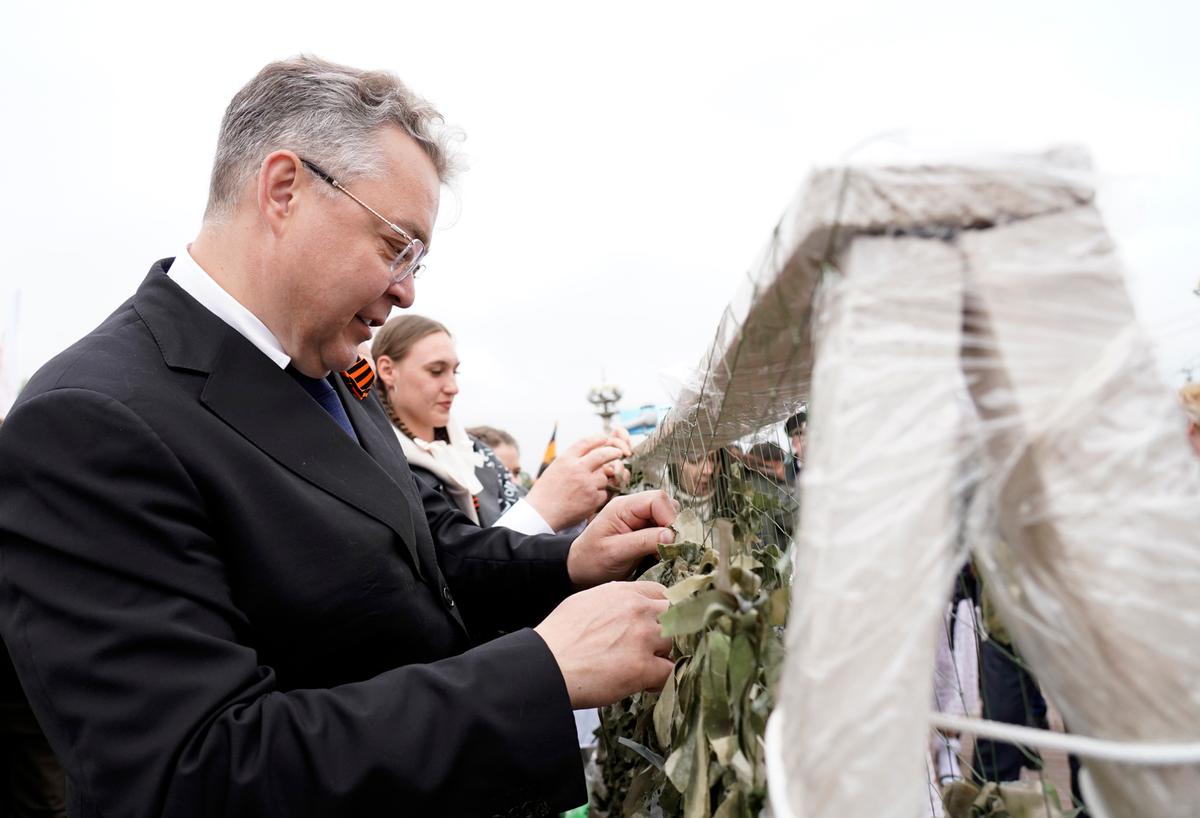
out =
column 989, row 507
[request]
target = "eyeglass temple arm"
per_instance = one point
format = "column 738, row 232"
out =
column 324, row 176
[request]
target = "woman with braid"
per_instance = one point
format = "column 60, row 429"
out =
column 417, row 366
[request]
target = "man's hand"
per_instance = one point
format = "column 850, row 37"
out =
column 626, row 531
column 608, row 642
column 575, row 484
column 618, row 475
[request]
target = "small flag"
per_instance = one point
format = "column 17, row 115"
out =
column 551, row 452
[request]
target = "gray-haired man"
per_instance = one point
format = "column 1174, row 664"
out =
column 222, row 590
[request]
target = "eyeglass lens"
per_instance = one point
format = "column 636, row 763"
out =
column 408, row 260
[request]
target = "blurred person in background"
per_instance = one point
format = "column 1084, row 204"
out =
column 955, row 684
column 795, row 428
column 765, row 472
column 1189, row 396
column 418, row 367
column 767, row 460
column 1009, row 693
column 506, row 450
column 694, row 481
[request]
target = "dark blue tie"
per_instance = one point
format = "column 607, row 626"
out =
column 325, row 395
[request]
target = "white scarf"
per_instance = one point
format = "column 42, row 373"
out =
column 454, row 463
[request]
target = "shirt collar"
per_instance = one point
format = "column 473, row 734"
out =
column 201, row 286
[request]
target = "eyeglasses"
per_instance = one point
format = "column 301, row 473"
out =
column 408, row 261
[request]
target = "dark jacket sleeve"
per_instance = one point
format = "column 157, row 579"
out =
column 116, row 606
column 503, row 580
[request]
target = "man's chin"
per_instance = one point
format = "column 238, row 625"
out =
column 340, row 360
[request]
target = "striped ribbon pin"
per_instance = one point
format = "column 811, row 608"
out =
column 359, row 378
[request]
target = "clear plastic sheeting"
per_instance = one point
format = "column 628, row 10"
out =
column 874, row 553
column 976, row 382
column 758, row 368
column 1096, row 566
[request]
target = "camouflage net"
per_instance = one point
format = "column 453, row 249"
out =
column 696, row 748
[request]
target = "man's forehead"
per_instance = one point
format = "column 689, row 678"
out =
column 409, row 184
column 405, row 206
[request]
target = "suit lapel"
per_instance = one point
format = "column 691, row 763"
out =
column 273, row 412
column 379, row 440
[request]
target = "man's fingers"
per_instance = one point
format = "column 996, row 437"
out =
column 618, row 475
column 653, row 507
column 581, row 447
column 663, row 645
column 652, row 590
column 658, row 670
column 642, row 543
column 599, row 456
column 663, row 510
column 599, row 480
column 626, row 449
column 621, row 439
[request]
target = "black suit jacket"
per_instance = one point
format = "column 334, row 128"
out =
column 487, row 501
column 220, row 604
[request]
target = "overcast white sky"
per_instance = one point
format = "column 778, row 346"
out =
column 627, row 159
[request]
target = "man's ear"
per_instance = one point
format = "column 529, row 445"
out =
column 279, row 181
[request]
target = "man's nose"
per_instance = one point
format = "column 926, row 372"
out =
column 403, row 293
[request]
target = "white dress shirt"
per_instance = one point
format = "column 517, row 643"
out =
column 524, row 519
column 201, row 286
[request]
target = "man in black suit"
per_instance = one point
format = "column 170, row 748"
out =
column 221, row 588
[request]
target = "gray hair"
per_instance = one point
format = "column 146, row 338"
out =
column 329, row 113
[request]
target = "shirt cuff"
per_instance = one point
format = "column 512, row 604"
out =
column 524, row 519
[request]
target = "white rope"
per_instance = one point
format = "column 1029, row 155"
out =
column 1126, row 752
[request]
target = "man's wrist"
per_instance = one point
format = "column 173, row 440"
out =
column 544, row 510
column 577, row 569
